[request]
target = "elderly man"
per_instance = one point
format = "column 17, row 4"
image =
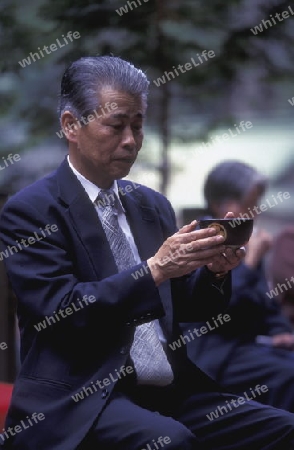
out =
column 102, row 278
column 234, row 354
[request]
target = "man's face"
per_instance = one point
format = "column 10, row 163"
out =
column 251, row 200
column 105, row 149
column 239, row 207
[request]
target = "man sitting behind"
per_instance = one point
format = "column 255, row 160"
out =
column 233, row 352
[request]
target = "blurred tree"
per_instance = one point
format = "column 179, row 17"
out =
column 157, row 35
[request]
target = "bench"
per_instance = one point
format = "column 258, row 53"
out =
column 5, row 396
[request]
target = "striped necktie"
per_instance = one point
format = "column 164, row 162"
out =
column 147, row 353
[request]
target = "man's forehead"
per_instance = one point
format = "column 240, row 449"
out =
column 120, row 95
column 113, row 92
column 122, row 115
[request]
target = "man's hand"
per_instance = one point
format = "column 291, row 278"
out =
column 185, row 251
column 285, row 340
column 188, row 250
column 229, row 259
column 259, row 243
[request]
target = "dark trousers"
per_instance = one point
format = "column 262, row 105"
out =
column 251, row 364
column 180, row 417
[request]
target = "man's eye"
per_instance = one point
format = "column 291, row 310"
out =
column 117, row 126
column 137, row 127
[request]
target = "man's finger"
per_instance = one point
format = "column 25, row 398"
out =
column 229, row 215
column 195, row 235
column 206, row 244
column 188, row 228
column 240, row 252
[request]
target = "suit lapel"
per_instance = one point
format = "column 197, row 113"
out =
column 88, row 226
column 84, row 219
column 147, row 232
column 142, row 218
column 143, row 221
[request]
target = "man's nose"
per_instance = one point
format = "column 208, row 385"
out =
column 128, row 139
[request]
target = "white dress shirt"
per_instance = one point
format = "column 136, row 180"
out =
column 92, row 190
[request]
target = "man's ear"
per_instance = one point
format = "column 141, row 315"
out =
column 70, row 126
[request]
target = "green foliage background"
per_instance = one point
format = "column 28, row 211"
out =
column 157, row 35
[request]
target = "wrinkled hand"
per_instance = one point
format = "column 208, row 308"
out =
column 285, row 340
column 229, row 259
column 185, row 251
column 189, row 249
column 259, row 243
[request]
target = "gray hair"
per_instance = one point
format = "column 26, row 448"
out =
column 83, row 80
column 232, row 180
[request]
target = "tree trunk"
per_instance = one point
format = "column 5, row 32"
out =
column 165, row 139
column 164, row 102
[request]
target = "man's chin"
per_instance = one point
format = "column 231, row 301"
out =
column 118, row 174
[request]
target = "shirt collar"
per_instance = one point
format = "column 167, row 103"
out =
column 91, row 189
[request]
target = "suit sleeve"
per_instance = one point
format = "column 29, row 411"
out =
column 43, row 277
column 251, row 310
column 196, row 297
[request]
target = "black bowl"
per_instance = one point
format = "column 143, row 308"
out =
column 236, row 231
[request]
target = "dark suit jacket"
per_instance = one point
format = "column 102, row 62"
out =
column 56, row 272
column 252, row 313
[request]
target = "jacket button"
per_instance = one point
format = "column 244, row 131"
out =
column 104, row 393
column 124, row 350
